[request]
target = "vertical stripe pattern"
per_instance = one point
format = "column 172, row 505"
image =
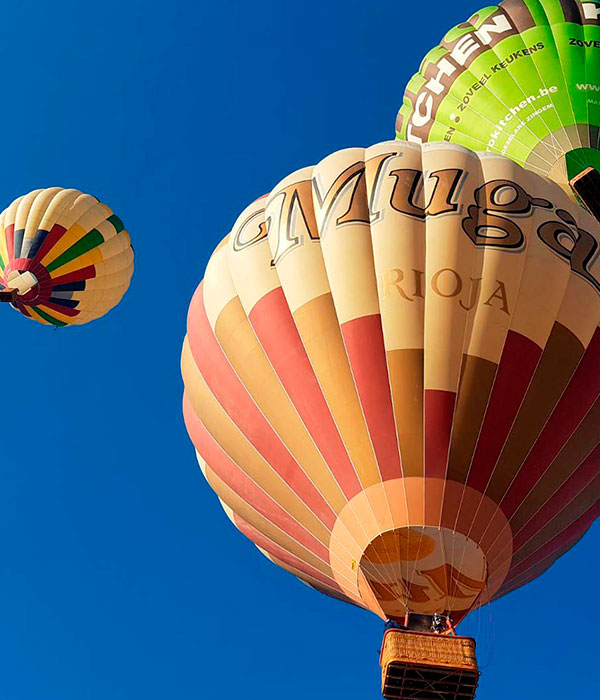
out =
column 391, row 376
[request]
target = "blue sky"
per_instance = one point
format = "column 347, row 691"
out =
column 120, row 576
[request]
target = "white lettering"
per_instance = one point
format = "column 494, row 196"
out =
column 420, row 118
column 444, row 68
column 463, row 49
column 499, row 26
column 412, row 137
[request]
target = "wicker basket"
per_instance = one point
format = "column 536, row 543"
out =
column 422, row 666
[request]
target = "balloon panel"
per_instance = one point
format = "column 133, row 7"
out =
column 519, row 79
column 391, row 376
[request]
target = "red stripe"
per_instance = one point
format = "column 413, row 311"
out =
column 517, row 366
column 575, row 403
column 439, row 414
column 51, row 240
column 85, row 273
column 239, row 405
column 333, row 594
column 533, row 573
column 23, row 309
column 274, row 326
column 539, row 568
column 286, row 557
column 570, row 534
column 9, row 233
column 239, row 482
column 572, row 488
column 363, row 338
column 65, row 310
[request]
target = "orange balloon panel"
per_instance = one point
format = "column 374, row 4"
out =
column 391, row 376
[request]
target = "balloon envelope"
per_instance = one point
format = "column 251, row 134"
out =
column 68, row 255
column 521, row 79
column 391, row 376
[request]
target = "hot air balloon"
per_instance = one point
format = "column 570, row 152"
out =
column 392, row 385
column 65, row 257
column 521, row 79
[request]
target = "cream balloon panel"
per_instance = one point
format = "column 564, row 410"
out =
column 300, row 268
column 249, row 259
column 219, row 290
column 398, row 260
column 342, row 216
column 28, row 212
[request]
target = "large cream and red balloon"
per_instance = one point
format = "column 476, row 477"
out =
column 392, row 376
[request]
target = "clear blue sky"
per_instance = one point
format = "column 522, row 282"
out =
column 120, row 575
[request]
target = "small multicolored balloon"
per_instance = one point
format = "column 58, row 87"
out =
column 65, row 257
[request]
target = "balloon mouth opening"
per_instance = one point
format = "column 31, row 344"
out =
column 425, row 570
column 23, row 281
column 28, row 282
